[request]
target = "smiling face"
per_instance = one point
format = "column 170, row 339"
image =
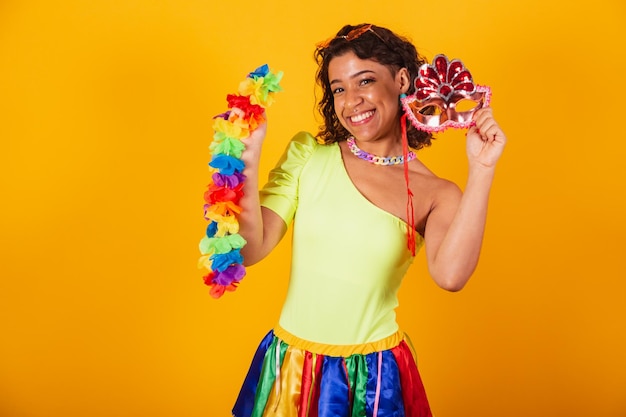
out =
column 366, row 97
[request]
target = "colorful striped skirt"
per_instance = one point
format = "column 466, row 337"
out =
column 290, row 376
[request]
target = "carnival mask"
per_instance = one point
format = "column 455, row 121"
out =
column 445, row 96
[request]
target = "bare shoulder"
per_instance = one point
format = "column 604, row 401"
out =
column 431, row 185
column 445, row 189
column 432, row 194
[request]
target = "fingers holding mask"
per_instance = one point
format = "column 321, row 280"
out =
column 487, row 127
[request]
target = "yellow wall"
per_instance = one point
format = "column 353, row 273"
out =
column 105, row 119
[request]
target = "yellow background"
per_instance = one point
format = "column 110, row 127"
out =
column 105, row 120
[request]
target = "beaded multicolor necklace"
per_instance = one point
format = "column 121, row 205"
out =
column 378, row 160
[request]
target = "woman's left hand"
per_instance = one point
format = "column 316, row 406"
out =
column 485, row 140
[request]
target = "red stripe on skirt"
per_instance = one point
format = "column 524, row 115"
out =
column 413, row 392
column 307, row 380
column 310, row 389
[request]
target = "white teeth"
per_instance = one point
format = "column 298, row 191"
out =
column 362, row 116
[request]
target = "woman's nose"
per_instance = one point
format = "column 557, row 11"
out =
column 352, row 100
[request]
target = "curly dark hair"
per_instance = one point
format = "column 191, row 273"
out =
column 378, row 44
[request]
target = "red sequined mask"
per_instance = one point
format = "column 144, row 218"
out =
column 445, row 96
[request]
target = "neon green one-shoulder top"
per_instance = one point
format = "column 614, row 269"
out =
column 349, row 256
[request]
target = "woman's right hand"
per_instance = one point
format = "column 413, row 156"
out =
column 254, row 142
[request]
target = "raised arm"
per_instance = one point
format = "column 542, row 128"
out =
column 455, row 227
column 261, row 227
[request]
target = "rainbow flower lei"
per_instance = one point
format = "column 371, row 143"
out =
column 221, row 246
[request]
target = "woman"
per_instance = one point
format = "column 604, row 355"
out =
column 337, row 349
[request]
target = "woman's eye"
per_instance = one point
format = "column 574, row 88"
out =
column 337, row 90
column 366, row 81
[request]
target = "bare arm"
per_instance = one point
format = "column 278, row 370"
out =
column 261, row 227
column 455, row 227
